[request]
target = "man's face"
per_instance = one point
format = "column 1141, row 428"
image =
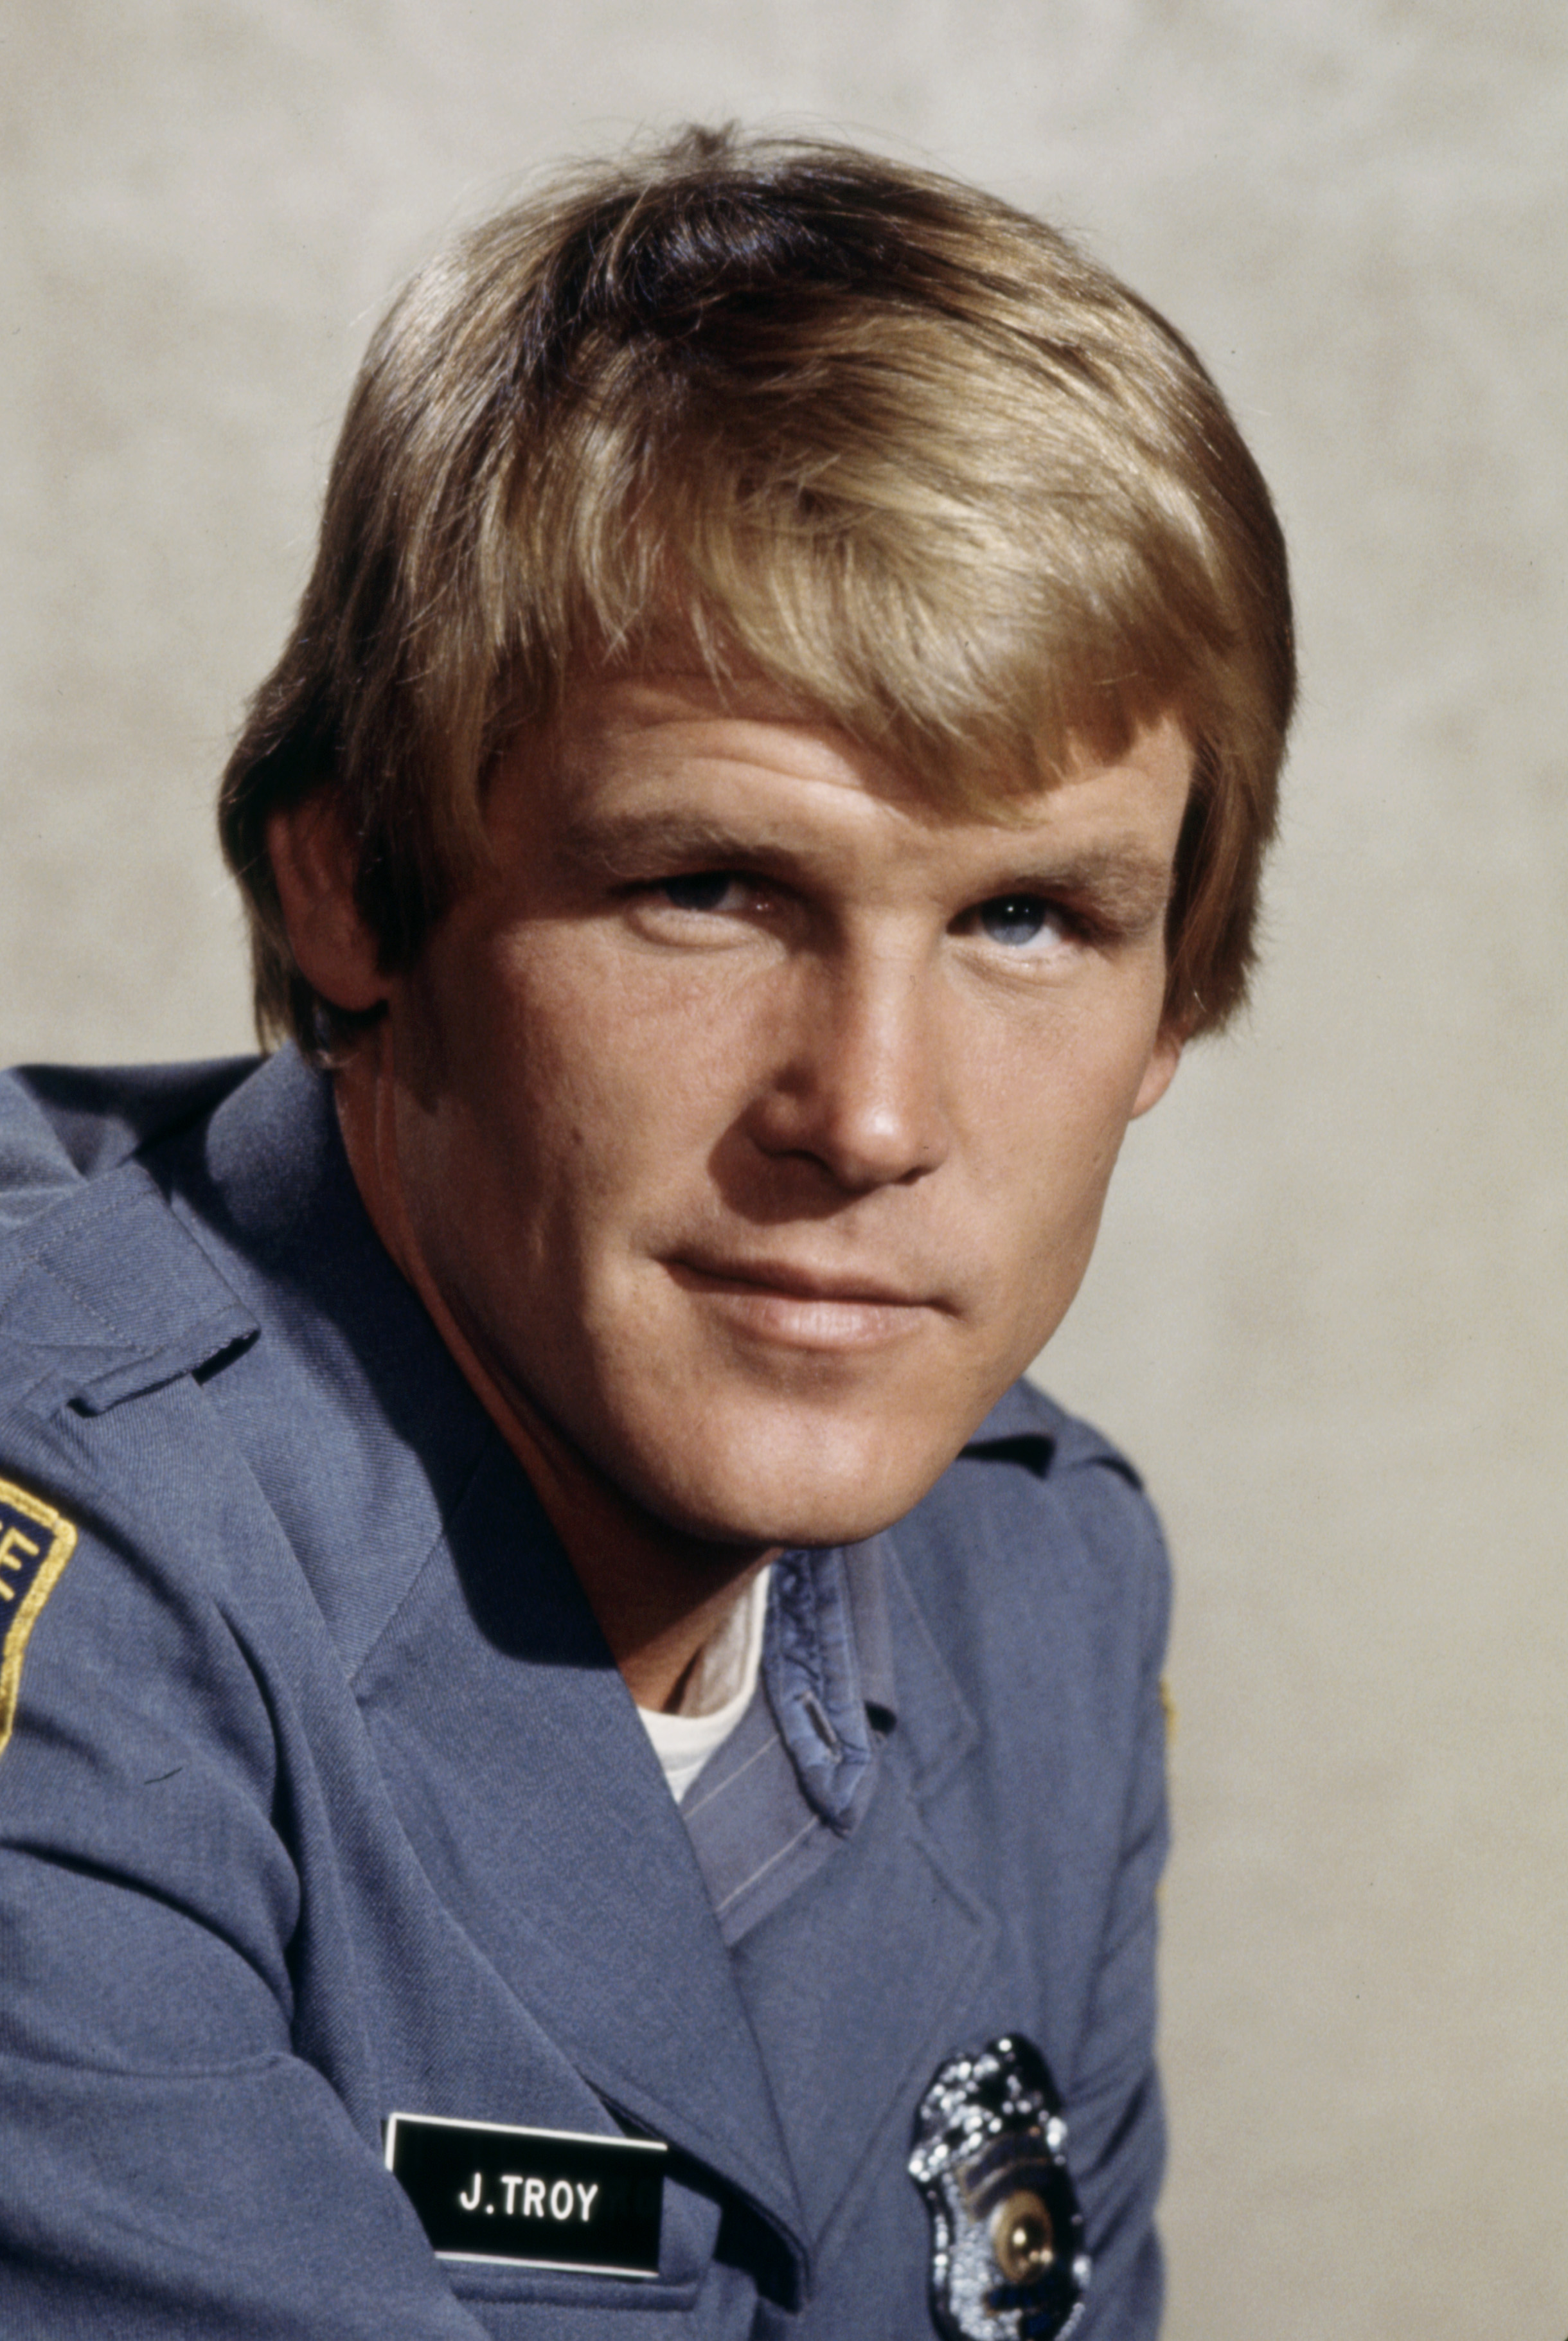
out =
column 753, row 1118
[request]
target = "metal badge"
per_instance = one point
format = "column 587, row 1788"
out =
column 1007, row 2257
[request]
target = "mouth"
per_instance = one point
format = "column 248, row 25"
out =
column 782, row 1302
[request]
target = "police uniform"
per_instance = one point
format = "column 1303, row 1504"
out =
column 324, row 1803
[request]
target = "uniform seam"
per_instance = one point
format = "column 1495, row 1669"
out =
column 772, row 1862
column 487, row 1445
column 87, row 1205
column 719, row 1787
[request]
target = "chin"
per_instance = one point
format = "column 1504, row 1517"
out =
column 810, row 1488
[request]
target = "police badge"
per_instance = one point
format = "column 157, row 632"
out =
column 1007, row 2257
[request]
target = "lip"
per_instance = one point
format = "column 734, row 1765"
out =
column 797, row 1307
column 801, row 1283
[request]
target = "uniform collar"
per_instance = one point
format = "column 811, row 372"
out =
column 827, row 1670
column 827, row 1663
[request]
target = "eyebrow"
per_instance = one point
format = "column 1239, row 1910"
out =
column 631, row 844
column 1125, row 883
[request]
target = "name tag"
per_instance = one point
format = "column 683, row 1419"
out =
column 543, row 2198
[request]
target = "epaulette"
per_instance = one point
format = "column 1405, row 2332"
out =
column 102, row 1295
column 60, row 1124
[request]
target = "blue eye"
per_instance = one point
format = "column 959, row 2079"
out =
column 700, row 890
column 1016, row 918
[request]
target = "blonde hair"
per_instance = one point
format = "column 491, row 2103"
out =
column 899, row 447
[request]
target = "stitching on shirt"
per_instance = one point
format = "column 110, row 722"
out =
column 491, row 1441
column 86, row 1208
column 718, row 1788
column 118, row 1337
column 730, row 1778
column 774, row 1858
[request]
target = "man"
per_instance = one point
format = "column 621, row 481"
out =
column 771, row 769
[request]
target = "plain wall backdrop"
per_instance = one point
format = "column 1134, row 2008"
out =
column 1328, row 1315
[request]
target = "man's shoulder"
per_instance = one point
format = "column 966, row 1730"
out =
column 1033, row 1461
column 62, row 1126
column 1027, row 1428
column 1040, row 1516
column 100, row 1288
column 197, row 1318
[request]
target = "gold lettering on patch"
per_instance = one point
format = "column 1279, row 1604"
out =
column 36, row 1543
column 12, row 1545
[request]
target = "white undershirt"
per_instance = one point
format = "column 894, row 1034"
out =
column 717, row 1694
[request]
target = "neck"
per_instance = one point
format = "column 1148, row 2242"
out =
column 659, row 1596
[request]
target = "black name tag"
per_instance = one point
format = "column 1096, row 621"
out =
column 543, row 2198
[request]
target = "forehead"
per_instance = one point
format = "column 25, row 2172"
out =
column 644, row 776
column 679, row 730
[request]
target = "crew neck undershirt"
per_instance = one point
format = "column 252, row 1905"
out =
column 718, row 1693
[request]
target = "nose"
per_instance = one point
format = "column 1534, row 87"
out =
column 859, row 1086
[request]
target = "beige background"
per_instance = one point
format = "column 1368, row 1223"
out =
column 1329, row 1311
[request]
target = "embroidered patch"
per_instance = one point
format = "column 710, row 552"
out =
column 36, row 1543
column 1007, row 2257
column 539, row 2199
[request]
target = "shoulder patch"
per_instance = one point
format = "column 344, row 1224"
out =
column 36, row 1543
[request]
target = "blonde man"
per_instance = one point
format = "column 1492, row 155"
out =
column 590, row 1758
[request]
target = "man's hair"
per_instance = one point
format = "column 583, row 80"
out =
column 800, row 410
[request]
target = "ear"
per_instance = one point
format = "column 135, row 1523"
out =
column 313, row 863
column 1160, row 1070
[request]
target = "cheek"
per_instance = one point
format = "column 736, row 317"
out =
column 1047, row 1118
column 1045, row 1106
column 579, row 1077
